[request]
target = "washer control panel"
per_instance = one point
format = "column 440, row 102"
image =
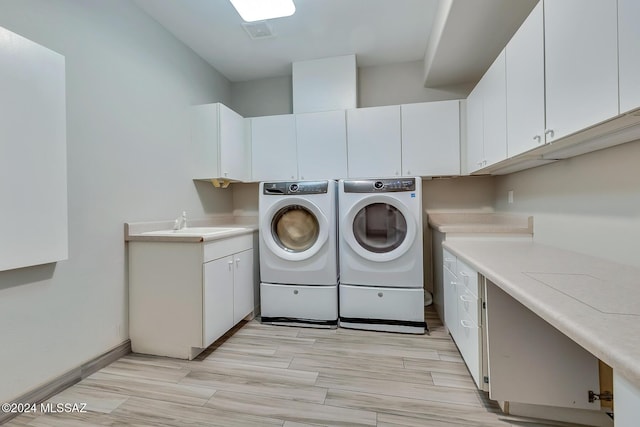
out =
column 282, row 188
column 379, row 185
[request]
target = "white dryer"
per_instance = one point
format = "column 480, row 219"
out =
column 298, row 253
column 381, row 269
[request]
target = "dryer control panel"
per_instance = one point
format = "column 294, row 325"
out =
column 298, row 187
column 379, row 185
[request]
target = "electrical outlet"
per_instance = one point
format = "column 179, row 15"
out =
column 510, row 196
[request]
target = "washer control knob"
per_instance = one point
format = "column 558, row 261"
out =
column 293, row 188
column 378, row 185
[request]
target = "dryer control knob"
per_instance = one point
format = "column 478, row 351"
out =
column 293, row 188
column 378, row 185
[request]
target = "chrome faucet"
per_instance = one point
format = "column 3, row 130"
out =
column 180, row 222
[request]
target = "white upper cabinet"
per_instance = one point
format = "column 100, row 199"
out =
column 525, row 85
column 487, row 118
column 273, row 148
column 581, row 54
column 629, row 54
column 374, row 142
column 322, row 145
column 475, row 129
column 219, row 143
column 495, row 111
column 431, row 138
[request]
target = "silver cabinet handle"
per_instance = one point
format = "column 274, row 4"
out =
column 453, row 283
column 237, row 262
column 230, row 264
column 537, row 138
column 466, row 298
column 468, row 324
column 549, row 133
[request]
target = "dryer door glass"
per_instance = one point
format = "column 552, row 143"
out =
column 379, row 227
column 295, row 228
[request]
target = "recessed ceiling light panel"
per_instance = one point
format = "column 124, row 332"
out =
column 259, row 10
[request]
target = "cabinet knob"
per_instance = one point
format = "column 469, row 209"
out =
column 380, row 294
column 397, row 173
column 292, row 177
column 537, row 138
column 408, row 172
column 226, row 174
column 302, row 177
column 295, row 292
column 549, row 133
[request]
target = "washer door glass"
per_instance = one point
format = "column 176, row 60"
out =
column 379, row 227
column 295, row 228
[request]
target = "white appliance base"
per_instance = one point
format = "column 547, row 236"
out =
column 299, row 305
column 380, row 327
column 382, row 309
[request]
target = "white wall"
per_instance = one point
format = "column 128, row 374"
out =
column 589, row 204
column 392, row 84
column 401, row 83
column 129, row 84
column 264, row 97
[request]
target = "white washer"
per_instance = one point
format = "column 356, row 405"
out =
column 381, row 272
column 298, row 253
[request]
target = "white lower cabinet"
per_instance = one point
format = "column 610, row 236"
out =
column 462, row 312
column 627, row 402
column 536, row 368
column 184, row 296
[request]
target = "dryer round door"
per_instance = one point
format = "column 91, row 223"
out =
column 294, row 229
column 379, row 228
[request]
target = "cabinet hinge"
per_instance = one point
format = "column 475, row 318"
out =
column 605, row 396
column 485, row 380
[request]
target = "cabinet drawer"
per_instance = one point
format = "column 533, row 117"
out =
column 299, row 302
column 224, row 247
column 467, row 304
column 366, row 302
column 469, row 346
column 450, row 262
column 468, row 277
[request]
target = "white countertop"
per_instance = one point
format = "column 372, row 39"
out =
column 152, row 231
column 480, row 222
column 593, row 301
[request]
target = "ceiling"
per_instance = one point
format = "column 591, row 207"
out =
column 461, row 37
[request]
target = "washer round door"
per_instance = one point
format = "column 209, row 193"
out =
column 379, row 228
column 294, row 229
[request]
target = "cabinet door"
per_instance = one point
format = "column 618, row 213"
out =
column 204, row 141
column 373, row 142
column 243, row 283
column 273, row 148
column 525, row 85
column 450, row 303
column 581, row 54
column 475, row 129
column 322, row 145
column 217, row 299
column 532, row 362
column 629, row 54
column 234, row 153
column 626, row 397
column 431, row 138
column 495, row 111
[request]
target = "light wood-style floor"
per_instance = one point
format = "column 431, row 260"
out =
column 263, row 375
